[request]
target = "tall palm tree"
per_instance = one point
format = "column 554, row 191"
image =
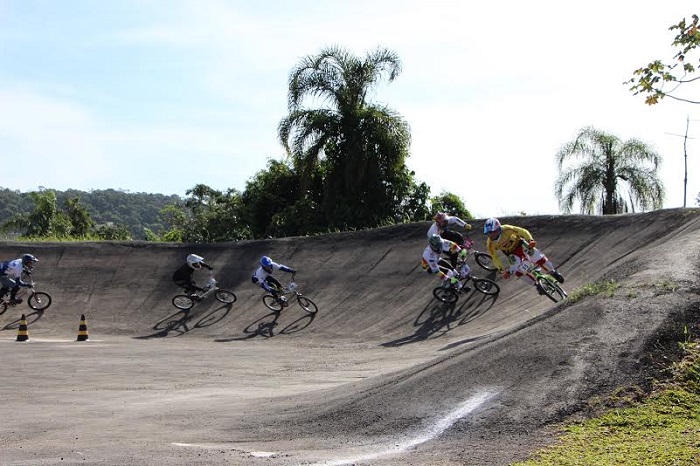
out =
column 360, row 147
column 607, row 175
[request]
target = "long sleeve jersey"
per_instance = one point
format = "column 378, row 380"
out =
column 510, row 240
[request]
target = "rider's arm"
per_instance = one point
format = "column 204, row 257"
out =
column 493, row 251
column 207, row 266
column 284, row 268
column 522, row 232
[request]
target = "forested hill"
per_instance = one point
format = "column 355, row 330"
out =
column 135, row 211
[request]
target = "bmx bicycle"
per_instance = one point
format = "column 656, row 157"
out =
column 37, row 300
column 185, row 302
column 449, row 292
column 483, row 259
column 287, row 293
column 545, row 283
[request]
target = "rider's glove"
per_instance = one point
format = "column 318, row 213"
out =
column 454, row 281
column 506, row 274
column 532, row 243
column 462, row 254
column 467, row 227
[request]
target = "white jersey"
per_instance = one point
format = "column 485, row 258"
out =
column 431, row 258
column 451, row 220
column 12, row 269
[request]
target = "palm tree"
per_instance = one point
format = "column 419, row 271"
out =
column 359, row 147
column 607, row 175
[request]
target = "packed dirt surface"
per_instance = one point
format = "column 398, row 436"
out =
column 383, row 374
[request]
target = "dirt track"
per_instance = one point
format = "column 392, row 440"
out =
column 382, row 375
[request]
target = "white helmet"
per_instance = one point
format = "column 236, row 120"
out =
column 195, row 261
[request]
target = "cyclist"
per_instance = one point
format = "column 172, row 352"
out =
column 183, row 276
column 433, row 262
column 439, row 227
column 509, row 240
column 11, row 276
column 263, row 275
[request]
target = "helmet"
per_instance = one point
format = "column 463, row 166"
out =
column 195, row 261
column 28, row 260
column 435, row 242
column 492, row 224
column 266, row 262
column 440, row 218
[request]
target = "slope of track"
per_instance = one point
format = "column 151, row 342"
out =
column 532, row 362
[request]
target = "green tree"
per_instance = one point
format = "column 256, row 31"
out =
column 79, row 218
column 360, row 147
column 659, row 79
column 451, row 204
column 607, row 175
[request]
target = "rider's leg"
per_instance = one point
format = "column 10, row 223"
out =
column 13, row 294
column 540, row 259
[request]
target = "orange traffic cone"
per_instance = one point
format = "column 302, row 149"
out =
column 22, row 332
column 82, row 330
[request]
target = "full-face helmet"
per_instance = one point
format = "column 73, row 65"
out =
column 195, row 261
column 266, row 263
column 441, row 219
column 28, row 260
column 492, row 227
column 435, row 242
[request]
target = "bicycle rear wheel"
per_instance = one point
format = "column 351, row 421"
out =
column 225, row 296
column 308, row 305
column 445, row 295
column 486, row 286
column 272, row 303
column 551, row 289
column 182, row 301
column 485, row 261
column 39, row 300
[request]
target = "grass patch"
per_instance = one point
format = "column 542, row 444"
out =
column 604, row 287
column 661, row 430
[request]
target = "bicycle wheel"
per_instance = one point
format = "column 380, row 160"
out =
column 445, row 295
column 485, row 261
column 308, row 305
column 551, row 289
column 486, row 286
column 39, row 301
column 182, row 301
column 225, row 296
column 271, row 303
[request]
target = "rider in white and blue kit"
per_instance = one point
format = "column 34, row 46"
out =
column 11, row 275
column 263, row 275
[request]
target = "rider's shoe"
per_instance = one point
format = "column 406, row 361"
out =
column 14, row 301
column 557, row 276
column 539, row 289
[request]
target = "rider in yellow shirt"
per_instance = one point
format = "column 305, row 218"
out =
column 509, row 240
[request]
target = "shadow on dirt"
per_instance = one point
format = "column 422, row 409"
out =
column 30, row 318
column 269, row 326
column 181, row 322
column 438, row 318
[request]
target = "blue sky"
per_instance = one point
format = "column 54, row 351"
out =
column 158, row 96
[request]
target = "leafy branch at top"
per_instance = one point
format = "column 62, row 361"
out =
column 658, row 79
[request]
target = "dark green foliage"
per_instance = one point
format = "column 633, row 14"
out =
column 131, row 211
column 451, row 204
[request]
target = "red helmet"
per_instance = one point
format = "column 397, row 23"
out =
column 440, row 218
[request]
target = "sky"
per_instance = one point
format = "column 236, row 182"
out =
column 158, row 96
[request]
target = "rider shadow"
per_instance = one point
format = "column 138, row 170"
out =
column 180, row 322
column 268, row 326
column 30, row 318
column 438, row 318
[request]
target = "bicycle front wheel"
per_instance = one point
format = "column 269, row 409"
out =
column 272, row 303
column 551, row 289
column 182, row 301
column 39, row 301
column 308, row 305
column 225, row 296
column 445, row 295
column 486, row 286
column 485, row 261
